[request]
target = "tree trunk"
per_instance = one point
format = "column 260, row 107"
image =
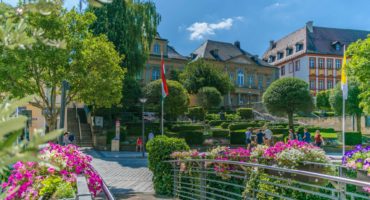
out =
column 358, row 122
column 290, row 119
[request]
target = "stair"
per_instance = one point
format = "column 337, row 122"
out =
column 72, row 126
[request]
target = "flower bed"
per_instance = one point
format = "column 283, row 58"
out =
column 53, row 177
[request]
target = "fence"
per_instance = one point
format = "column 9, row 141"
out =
column 218, row 179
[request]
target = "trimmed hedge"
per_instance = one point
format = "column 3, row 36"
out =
column 187, row 127
column 245, row 113
column 353, row 138
column 220, row 133
column 218, row 123
column 225, row 125
column 192, row 137
column 196, row 113
column 160, row 149
column 284, row 131
column 237, row 137
column 215, row 117
column 242, row 125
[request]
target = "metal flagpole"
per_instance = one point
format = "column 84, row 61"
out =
column 162, row 98
column 344, row 90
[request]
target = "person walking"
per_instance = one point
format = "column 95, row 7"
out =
column 268, row 136
column 260, row 137
column 319, row 140
column 248, row 138
column 139, row 144
column 291, row 135
column 306, row 136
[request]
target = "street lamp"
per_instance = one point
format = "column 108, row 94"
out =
column 143, row 100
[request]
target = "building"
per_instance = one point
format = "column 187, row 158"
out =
column 250, row 74
column 313, row 54
column 174, row 62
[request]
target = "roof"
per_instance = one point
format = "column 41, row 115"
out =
column 223, row 51
column 173, row 54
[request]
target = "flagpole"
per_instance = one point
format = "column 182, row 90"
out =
column 344, row 126
column 344, row 95
column 162, row 99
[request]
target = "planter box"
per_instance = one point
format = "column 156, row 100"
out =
column 298, row 177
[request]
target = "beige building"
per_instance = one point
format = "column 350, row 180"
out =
column 250, row 75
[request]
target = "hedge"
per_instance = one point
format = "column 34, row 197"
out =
column 213, row 117
column 237, row 137
column 218, row 122
column 245, row 113
column 220, row 133
column 196, row 113
column 192, row 137
column 187, row 127
column 225, row 125
column 353, row 138
column 242, row 125
column 284, row 131
column 160, row 149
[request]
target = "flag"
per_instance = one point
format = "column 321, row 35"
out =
column 344, row 82
column 163, row 77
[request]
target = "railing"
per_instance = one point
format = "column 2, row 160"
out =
column 219, row 179
column 107, row 192
column 78, row 123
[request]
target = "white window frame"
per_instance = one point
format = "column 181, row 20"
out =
column 240, row 79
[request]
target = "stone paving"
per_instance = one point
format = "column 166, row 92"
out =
column 125, row 173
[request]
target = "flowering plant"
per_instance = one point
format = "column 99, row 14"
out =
column 27, row 179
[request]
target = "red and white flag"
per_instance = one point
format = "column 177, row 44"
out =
column 163, row 77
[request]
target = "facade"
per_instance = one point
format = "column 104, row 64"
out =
column 250, row 75
column 313, row 54
column 174, row 62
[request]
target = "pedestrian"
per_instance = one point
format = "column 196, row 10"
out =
column 306, row 136
column 65, row 138
column 318, row 138
column 268, row 136
column 248, row 138
column 260, row 137
column 151, row 135
column 139, row 144
column 291, row 135
column 71, row 137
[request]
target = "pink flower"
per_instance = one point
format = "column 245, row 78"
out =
column 51, row 170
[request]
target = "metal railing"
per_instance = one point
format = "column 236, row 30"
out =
column 220, row 179
column 108, row 194
column 78, row 123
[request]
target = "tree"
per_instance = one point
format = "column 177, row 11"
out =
column 322, row 100
column 201, row 73
column 359, row 67
column 131, row 92
column 209, row 97
column 90, row 64
column 175, row 104
column 352, row 102
column 288, row 96
column 131, row 26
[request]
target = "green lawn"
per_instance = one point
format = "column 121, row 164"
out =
column 329, row 135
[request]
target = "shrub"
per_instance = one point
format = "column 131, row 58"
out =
column 219, row 123
column 278, row 138
column 160, row 149
column 209, row 97
column 196, row 113
column 225, row 125
column 353, row 138
column 237, row 137
column 242, row 125
column 232, row 117
column 192, row 137
column 187, row 127
column 215, row 117
column 245, row 113
column 220, row 133
column 280, row 131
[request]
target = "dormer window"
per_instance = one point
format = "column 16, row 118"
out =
column 157, row 48
column 280, row 55
column 298, row 47
column 289, row 51
column 337, row 45
column 272, row 59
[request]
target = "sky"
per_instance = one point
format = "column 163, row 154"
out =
column 188, row 23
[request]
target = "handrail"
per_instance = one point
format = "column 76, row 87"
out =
column 105, row 188
column 78, row 122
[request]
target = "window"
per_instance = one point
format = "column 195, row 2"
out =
column 312, row 63
column 329, row 63
column 338, row 63
column 268, row 81
column 157, row 48
column 240, row 78
column 231, row 76
column 312, row 84
column 289, row 51
column 271, row 59
column 321, row 84
column 155, row 74
column 291, row 67
column 330, row 84
column 321, row 63
column 280, row 55
column 260, row 82
column 251, row 80
column 282, row 71
column 337, row 46
column 297, row 65
column 298, row 47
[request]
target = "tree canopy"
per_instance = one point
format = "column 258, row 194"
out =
column 89, row 63
column 209, row 97
column 201, row 73
column 322, row 100
column 288, row 96
column 175, row 104
column 359, row 67
column 131, row 26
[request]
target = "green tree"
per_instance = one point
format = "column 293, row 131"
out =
column 90, row 64
column 175, row 104
column 288, row 96
column 131, row 92
column 209, row 97
column 322, row 100
column 131, row 26
column 352, row 102
column 359, row 67
column 201, row 73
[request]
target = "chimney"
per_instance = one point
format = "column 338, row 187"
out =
column 272, row 44
column 237, row 44
column 309, row 26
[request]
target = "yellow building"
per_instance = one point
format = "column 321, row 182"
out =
column 250, row 75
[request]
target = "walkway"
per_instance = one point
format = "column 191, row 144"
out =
column 125, row 173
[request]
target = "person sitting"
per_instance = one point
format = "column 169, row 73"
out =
column 260, row 137
column 139, row 144
column 306, row 136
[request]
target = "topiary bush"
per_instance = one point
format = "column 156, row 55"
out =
column 220, row 133
column 245, row 113
column 187, row 127
column 217, row 122
column 214, row 116
column 160, row 149
column 237, row 137
column 196, row 113
column 242, row 125
column 352, row 138
column 192, row 137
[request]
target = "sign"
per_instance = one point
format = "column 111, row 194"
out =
column 118, row 126
column 98, row 121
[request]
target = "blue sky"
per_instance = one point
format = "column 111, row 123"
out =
column 188, row 23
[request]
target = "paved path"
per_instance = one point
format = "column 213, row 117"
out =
column 125, row 173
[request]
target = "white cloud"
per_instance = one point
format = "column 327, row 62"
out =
column 276, row 5
column 199, row 30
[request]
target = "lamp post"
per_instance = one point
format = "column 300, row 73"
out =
column 143, row 101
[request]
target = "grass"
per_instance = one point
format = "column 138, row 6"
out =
column 329, row 135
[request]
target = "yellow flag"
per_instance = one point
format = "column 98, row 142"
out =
column 344, row 82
